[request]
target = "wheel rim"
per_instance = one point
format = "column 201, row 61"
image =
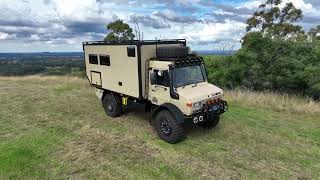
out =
column 110, row 107
column 166, row 128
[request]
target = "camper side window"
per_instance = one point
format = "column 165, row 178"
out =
column 131, row 51
column 105, row 60
column 93, row 59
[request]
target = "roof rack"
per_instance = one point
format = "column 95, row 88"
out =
column 184, row 61
column 137, row 42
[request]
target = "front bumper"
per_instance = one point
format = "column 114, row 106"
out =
column 209, row 112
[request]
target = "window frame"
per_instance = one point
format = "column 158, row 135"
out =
column 93, row 55
column 165, row 79
column 108, row 63
column 131, row 53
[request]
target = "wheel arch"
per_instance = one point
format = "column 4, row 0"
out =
column 174, row 110
column 116, row 96
column 105, row 92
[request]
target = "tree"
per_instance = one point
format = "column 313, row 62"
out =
column 272, row 20
column 314, row 32
column 118, row 30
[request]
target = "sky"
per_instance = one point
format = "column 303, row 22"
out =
column 62, row 25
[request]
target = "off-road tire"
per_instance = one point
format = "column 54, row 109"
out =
column 172, row 52
column 177, row 132
column 111, row 106
column 210, row 124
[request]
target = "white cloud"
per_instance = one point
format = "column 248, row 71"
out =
column 66, row 23
column 77, row 10
column 301, row 4
column 3, row 36
column 251, row 4
column 214, row 31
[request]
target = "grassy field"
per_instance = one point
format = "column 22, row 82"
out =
column 55, row 128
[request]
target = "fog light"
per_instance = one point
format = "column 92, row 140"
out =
column 195, row 120
column 201, row 118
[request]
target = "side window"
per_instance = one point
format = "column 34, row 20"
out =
column 105, row 60
column 160, row 78
column 93, row 59
column 131, row 51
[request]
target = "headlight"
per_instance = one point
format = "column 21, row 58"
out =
column 197, row 104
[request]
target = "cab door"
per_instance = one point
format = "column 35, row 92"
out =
column 159, row 86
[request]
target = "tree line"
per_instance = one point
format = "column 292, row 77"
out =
column 275, row 54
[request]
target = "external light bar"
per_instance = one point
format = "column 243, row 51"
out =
column 188, row 61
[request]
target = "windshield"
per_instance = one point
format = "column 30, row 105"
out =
column 188, row 75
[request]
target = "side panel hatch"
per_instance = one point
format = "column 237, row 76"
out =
column 96, row 78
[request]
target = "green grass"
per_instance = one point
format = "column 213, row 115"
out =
column 55, row 128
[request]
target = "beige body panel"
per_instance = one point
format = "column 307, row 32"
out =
column 122, row 69
column 190, row 94
column 158, row 95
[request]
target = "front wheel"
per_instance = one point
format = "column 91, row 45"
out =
column 167, row 127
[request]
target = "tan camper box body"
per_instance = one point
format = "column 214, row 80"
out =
column 121, row 73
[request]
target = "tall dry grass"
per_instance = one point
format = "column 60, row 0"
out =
column 273, row 100
column 266, row 99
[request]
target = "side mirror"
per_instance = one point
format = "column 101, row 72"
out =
column 153, row 78
column 160, row 73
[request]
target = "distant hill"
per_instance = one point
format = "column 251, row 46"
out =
column 79, row 55
column 41, row 55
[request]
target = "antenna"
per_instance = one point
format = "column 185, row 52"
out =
column 156, row 48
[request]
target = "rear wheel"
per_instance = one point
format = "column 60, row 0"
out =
column 211, row 124
column 111, row 106
column 167, row 127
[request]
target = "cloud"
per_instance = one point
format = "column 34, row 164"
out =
column 66, row 23
column 315, row 3
column 150, row 21
column 230, row 30
column 172, row 16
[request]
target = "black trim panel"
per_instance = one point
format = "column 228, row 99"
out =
column 137, row 42
column 139, row 72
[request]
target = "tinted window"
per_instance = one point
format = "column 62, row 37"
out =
column 188, row 75
column 105, row 60
column 93, row 59
column 163, row 80
column 131, row 51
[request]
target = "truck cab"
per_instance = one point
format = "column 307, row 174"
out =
column 163, row 75
column 182, row 84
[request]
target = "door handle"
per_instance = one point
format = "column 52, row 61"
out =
column 160, row 87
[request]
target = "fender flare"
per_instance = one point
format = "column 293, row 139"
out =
column 175, row 111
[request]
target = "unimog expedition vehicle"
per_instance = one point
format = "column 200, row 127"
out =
column 163, row 75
